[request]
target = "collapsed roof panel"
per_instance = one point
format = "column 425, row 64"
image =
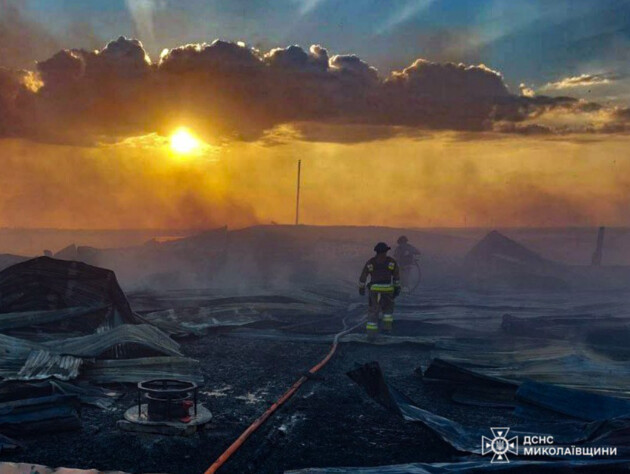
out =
column 46, row 283
column 496, row 249
column 40, row 415
column 12, row 347
column 197, row 321
column 470, row 387
column 568, row 363
column 41, row 365
column 25, row 319
column 474, row 388
column 145, row 368
column 7, row 259
column 612, row 432
column 145, row 336
column 13, row 390
column 55, row 324
column 576, row 403
column 88, row 395
column 25, row 360
column 16, row 390
column 499, row 260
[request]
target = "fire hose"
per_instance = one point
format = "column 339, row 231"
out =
column 281, row 401
column 409, row 267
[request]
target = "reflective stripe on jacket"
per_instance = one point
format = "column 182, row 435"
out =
column 384, row 274
column 382, row 287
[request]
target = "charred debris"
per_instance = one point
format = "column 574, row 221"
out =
column 66, row 329
column 511, row 337
column 70, row 341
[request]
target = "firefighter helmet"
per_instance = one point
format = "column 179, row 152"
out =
column 381, row 247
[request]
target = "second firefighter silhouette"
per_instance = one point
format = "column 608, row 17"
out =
column 383, row 287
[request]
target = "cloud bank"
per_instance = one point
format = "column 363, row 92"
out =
column 583, row 80
column 227, row 90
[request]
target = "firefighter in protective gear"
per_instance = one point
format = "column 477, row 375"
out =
column 405, row 254
column 383, row 287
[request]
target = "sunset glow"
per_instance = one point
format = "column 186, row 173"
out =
column 183, row 142
column 448, row 130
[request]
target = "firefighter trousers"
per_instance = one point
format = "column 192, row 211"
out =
column 380, row 302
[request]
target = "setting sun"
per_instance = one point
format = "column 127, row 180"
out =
column 182, row 141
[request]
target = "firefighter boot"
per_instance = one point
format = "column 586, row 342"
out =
column 371, row 331
column 388, row 321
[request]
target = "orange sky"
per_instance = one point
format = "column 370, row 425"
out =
column 85, row 143
column 439, row 179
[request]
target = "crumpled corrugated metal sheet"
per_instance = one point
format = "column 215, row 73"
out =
column 14, row 352
column 40, row 415
column 51, row 296
column 46, row 283
column 25, row 360
column 88, row 395
column 184, row 313
column 42, row 365
column 197, row 321
column 25, row 319
column 13, row 390
column 565, row 363
column 12, row 347
column 95, row 345
column 574, row 403
column 145, row 368
column 611, row 432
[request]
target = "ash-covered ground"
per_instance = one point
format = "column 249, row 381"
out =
column 330, row 421
column 276, row 296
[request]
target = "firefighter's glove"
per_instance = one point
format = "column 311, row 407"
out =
column 396, row 292
column 362, row 290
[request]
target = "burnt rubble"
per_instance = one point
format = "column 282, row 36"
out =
column 74, row 346
column 65, row 326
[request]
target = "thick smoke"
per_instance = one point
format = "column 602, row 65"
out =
column 444, row 181
column 232, row 91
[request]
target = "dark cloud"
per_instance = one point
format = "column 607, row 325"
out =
column 449, row 81
column 517, row 109
column 524, row 129
column 352, row 66
column 220, row 57
column 119, row 60
column 64, row 68
column 444, row 95
column 293, row 57
column 91, row 94
column 232, row 91
column 345, row 133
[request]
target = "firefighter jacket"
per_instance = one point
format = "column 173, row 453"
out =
column 384, row 274
column 405, row 254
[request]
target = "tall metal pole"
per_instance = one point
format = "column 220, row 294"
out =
column 297, row 200
column 596, row 260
